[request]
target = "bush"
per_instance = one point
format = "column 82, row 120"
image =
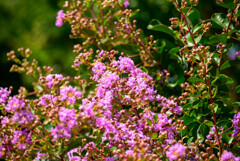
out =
column 134, row 97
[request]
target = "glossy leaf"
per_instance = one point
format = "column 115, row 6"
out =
column 238, row 89
column 158, row 26
column 227, row 4
column 229, row 63
column 221, row 20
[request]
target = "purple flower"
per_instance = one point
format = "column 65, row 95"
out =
column 110, row 159
column 60, row 131
column 98, row 70
column 227, row 156
column 53, row 77
column 67, row 116
column 236, row 124
column 59, row 19
column 71, row 157
column 124, row 64
column 14, row 104
column 175, row 151
column 101, row 53
column 237, row 54
column 21, row 139
column 69, row 94
column 40, row 156
column 126, row 3
column 48, row 99
column 5, row 120
column 23, row 117
column 4, row 93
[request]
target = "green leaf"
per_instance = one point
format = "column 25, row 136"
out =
column 158, row 26
column 225, row 79
column 209, row 123
column 221, row 20
column 187, row 119
column 149, row 122
column 155, row 118
column 227, row 4
column 197, row 27
column 187, row 106
column 236, row 104
column 189, row 141
column 229, row 63
column 202, row 131
column 190, row 40
column 114, row 148
column 222, row 38
column 174, row 51
column 238, row 89
column 154, row 136
column 195, row 79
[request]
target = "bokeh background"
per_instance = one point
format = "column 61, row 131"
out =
column 31, row 24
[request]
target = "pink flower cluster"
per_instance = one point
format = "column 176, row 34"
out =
column 68, row 122
column 4, row 93
column 60, row 18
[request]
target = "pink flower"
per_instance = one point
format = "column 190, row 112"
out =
column 126, row 3
column 69, row 93
column 226, row 156
column 4, row 93
column 60, row 17
column 22, row 139
column 175, row 151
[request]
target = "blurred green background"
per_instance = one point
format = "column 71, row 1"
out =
column 31, row 24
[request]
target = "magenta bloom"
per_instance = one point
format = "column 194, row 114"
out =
column 4, row 93
column 14, row 104
column 21, row 139
column 40, row 156
column 69, row 94
column 59, row 19
column 110, row 159
column 126, row 3
column 226, row 156
column 53, row 77
column 101, row 53
column 236, row 123
column 23, row 117
column 48, row 99
column 67, row 116
column 175, row 151
column 60, row 131
column 98, row 70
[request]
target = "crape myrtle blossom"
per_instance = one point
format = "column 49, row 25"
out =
column 126, row 3
column 98, row 70
column 228, row 156
column 51, row 78
column 4, row 93
column 236, row 124
column 236, row 54
column 40, row 156
column 23, row 117
column 14, row 104
column 21, row 139
column 68, row 122
column 48, row 99
column 176, row 151
column 59, row 19
column 69, row 94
